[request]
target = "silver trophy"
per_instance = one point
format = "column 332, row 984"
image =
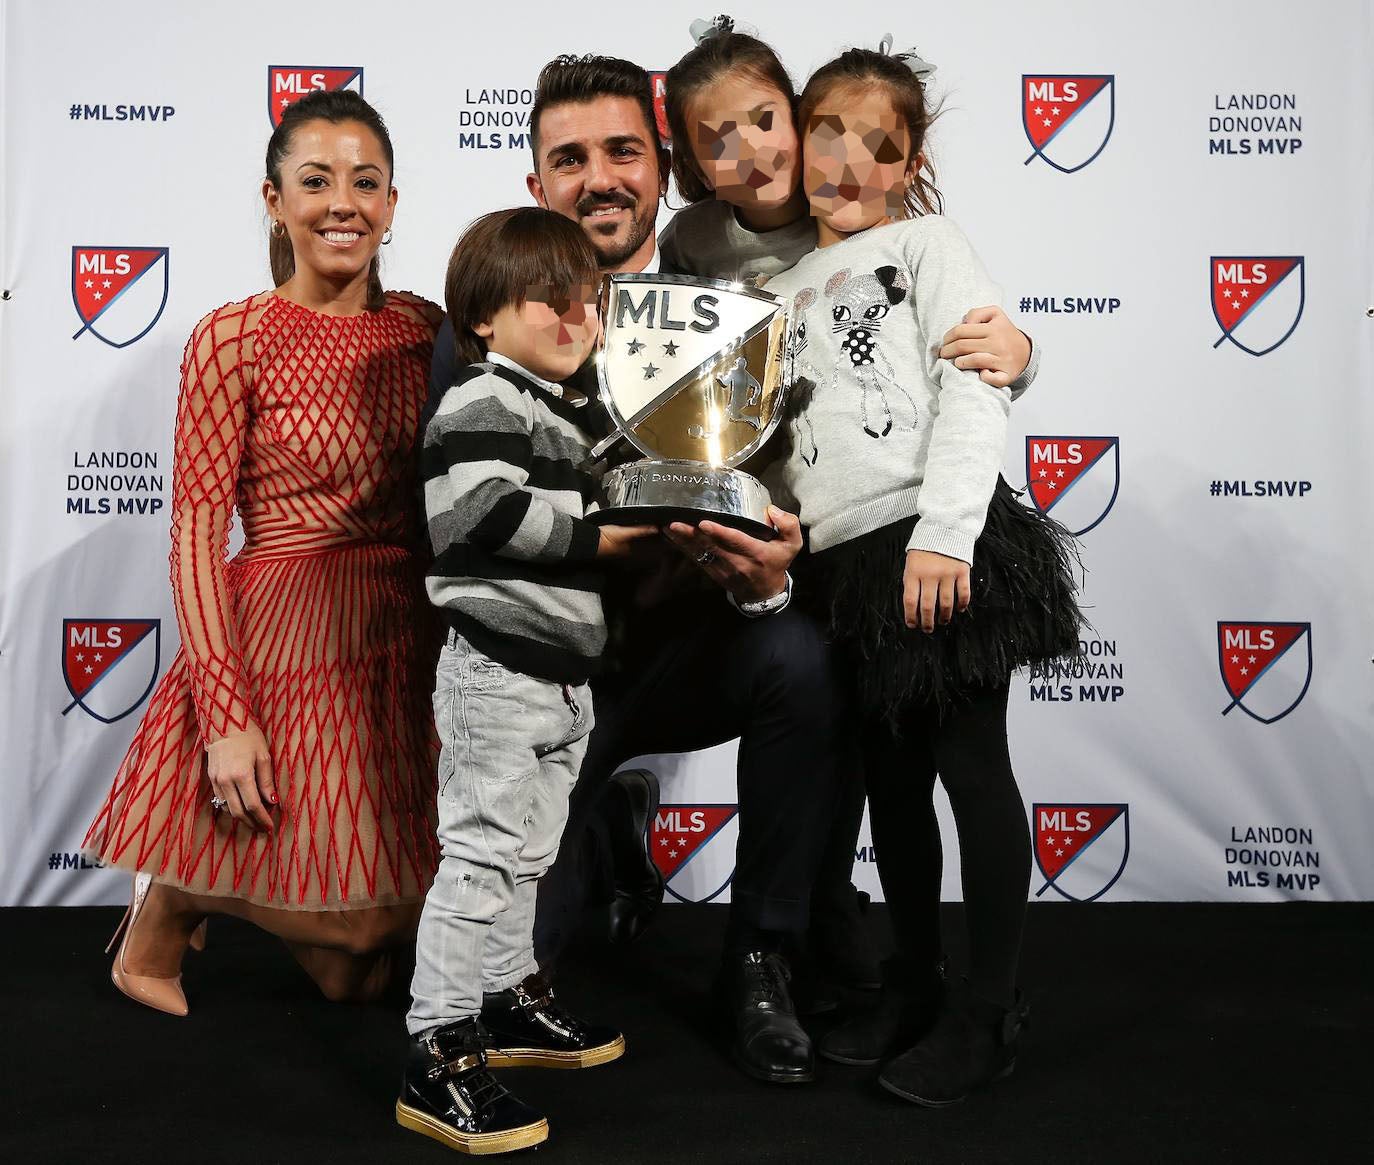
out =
column 694, row 374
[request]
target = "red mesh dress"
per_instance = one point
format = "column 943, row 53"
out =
column 318, row 631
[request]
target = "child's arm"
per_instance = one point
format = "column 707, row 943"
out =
column 968, row 438
column 481, row 467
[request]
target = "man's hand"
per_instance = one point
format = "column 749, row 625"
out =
column 620, row 541
column 989, row 342
column 934, row 586
column 749, row 568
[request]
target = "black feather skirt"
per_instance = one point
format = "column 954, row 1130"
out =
column 1023, row 610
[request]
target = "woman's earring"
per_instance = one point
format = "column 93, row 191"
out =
column 386, row 236
column 278, row 229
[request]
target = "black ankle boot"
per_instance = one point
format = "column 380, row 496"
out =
column 972, row 1043
column 840, row 940
column 769, row 1042
column 638, row 881
column 528, row 1029
column 449, row 1095
column 906, row 1011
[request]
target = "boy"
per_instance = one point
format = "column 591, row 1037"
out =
column 517, row 574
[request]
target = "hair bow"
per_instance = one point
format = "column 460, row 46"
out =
column 704, row 30
column 909, row 57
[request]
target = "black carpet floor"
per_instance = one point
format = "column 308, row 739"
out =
column 1160, row 1033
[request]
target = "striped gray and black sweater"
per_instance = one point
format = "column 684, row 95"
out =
column 507, row 481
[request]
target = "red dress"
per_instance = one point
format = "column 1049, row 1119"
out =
column 318, row 631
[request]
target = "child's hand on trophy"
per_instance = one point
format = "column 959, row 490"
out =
column 622, row 541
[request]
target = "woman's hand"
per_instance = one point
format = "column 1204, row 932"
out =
column 240, row 771
column 934, row 586
column 989, row 342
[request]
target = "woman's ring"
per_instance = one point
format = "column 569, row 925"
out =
column 218, row 803
column 705, row 558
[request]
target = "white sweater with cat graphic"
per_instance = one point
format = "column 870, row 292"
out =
column 890, row 430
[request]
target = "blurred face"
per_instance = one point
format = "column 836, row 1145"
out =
column 551, row 333
column 336, row 199
column 598, row 165
column 744, row 141
column 855, row 153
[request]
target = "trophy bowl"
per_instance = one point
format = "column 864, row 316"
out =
column 694, row 374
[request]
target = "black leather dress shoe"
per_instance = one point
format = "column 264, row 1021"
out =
column 449, row 1095
column 638, row 882
column 769, row 1042
column 527, row 1029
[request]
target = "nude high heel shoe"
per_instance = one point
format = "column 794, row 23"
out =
column 160, row 994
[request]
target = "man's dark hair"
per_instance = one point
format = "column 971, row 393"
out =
column 500, row 257
column 572, row 80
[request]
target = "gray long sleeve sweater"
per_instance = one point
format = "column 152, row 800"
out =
column 890, row 430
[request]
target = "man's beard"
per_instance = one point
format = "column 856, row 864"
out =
column 611, row 253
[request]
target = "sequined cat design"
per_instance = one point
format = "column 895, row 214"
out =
column 803, row 381
column 859, row 305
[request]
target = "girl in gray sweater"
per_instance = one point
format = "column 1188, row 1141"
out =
column 736, row 154
column 936, row 583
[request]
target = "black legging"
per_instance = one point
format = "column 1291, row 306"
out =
column 967, row 750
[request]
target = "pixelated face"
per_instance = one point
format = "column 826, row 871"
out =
column 855, row 152
column 551, row 333
column 744, row 141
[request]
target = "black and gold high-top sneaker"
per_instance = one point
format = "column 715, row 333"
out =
column 448, row 1094
column 528, row 1029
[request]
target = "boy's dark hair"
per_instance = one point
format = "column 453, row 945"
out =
column 500, row 257
column 712, row 59
column 573, row 80
column 334, row 106
column 865, row 68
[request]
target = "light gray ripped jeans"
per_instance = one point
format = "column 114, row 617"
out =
column 510, row 749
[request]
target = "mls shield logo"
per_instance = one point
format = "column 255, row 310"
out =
column 1265, row 678
column 1075, row 477
column 1081, row 849
column 1256, row 303
column 694, row 848
column 110, row 665
column 287, row 84
column 1068, row 117
column 119, row 292
column 660, row 84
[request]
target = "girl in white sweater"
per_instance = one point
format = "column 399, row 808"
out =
column 936, row 583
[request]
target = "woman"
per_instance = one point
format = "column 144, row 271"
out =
column 284, row 771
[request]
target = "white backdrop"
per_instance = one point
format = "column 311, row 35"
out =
column 1220, row 489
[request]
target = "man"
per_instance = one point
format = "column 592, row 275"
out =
column 697, row 670
column 701, row 668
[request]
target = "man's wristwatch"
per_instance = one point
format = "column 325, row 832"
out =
column 762, row 607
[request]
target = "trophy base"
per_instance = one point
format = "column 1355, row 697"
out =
column 654, row 493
